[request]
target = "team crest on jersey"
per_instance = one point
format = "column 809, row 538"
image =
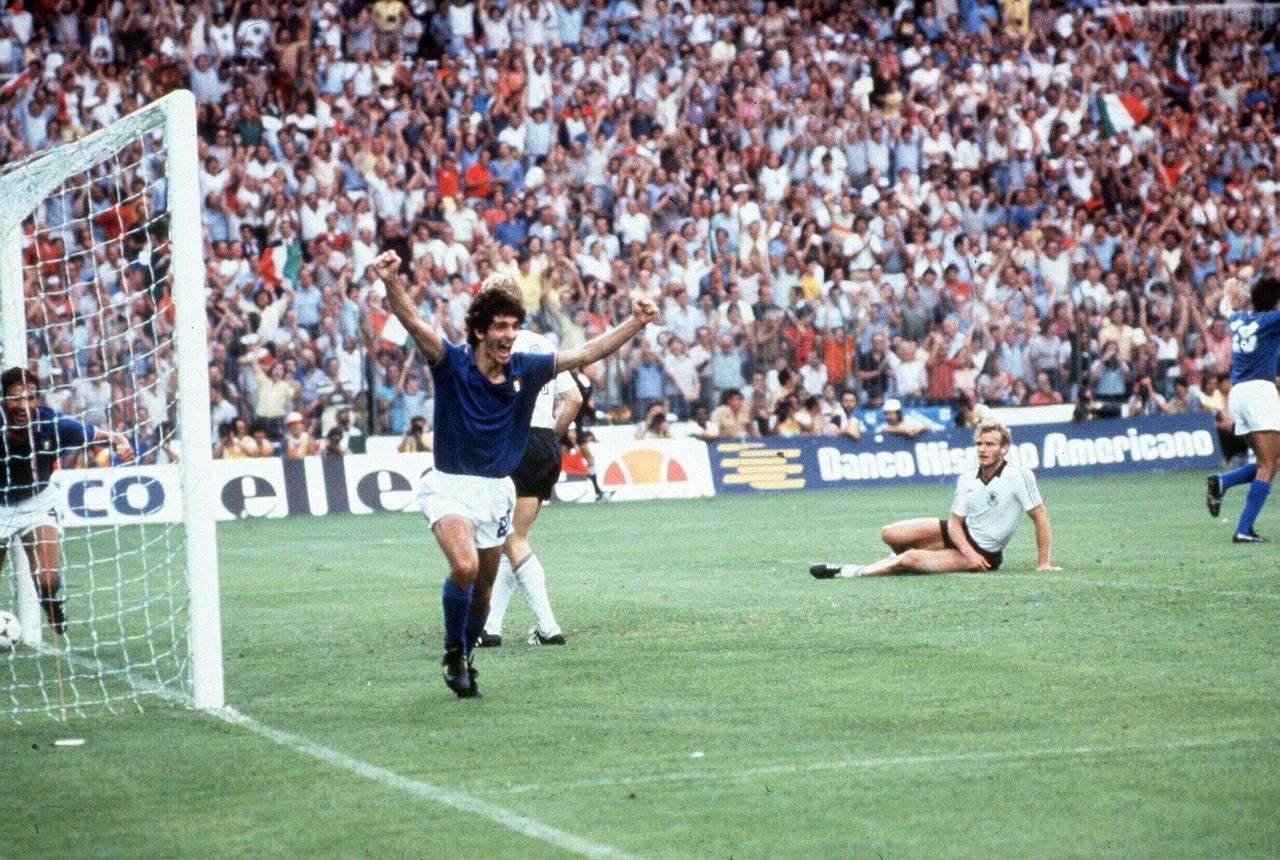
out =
column 992, row 499
column 46, row 444
column 515, row 383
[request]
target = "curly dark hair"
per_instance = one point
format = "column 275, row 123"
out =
column 16, row 376
column 491, row 302
column 1266, row 294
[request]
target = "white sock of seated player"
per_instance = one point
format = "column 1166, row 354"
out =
column 533, row 584
column 503, row 587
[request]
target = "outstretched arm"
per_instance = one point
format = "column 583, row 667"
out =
column 72, row 433
column 610, row 342
column 118, row 441
column 1044, row 537
column 428, row 342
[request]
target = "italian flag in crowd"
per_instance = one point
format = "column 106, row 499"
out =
column 1175, row 66
column 1120, row 113
column 1177, row 77
column 393, row 331
column 280, row 263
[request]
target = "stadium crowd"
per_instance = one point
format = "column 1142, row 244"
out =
column 835, row 203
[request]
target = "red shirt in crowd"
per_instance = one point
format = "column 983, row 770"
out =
column 801, row 341
column 478, row 181
column 940, row 376
column 447, row 181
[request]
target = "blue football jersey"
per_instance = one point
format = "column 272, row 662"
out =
column 481, row 428
column 1255, row 345
column 28, row 455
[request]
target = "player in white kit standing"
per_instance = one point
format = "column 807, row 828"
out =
column 535, row 479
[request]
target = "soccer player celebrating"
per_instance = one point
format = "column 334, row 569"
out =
column 34, row 439
column 485, row 395
column 535, row 479
column 985, row 513
column 1254, row 404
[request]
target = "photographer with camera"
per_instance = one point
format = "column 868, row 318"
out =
column 1089, row 407
column 415, row 437
column 1146, row 400
column 1109, row 375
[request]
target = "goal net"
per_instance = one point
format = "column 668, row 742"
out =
column 102, row 297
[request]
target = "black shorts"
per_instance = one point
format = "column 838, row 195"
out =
column 539, row 469
column 993, row 558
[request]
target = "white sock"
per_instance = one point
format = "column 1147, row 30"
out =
column 845, row 570
column 533, row 585
column 503, row 587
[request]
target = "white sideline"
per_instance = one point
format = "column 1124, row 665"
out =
column 445, row 797
column 888, row 761
column 458, row 800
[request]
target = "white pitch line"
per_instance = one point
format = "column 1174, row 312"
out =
column 458, row 800
column 888, row 761
column 1118, row 583
column 445, row 797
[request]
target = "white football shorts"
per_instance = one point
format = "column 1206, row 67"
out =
column 487, row 502
column 39, row 510
column 1254, row 405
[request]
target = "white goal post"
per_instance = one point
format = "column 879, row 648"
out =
column 143, row 606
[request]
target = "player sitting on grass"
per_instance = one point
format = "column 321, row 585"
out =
column 485, row 396
column 35, row 437
column 985, row 513
column 1254, row 404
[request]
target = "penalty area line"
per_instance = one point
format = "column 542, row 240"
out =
column 445, row 797
column 457, row 800
column 887, row 762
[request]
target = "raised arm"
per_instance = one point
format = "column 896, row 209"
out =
column 644, row 312
column 428, row 342
column 1044, row 538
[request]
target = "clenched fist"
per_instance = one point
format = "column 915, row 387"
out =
column 387, row 265
column 644, row 310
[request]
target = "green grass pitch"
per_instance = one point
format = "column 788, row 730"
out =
column 713, row 700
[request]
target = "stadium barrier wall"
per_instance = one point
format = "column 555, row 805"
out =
column 637, row 469
column 642, row 469
column 1104, row 446
column 271, row 487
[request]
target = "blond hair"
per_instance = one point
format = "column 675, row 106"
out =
column 1006, row 438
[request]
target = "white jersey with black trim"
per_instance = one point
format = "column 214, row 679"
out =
column 992, row 511
column 544, row 408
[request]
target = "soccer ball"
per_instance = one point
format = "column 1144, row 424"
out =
column 10, row 631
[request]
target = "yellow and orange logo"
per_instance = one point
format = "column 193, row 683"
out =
column 761, row 467
column 644, row 466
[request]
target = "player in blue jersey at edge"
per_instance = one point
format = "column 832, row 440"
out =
column 34, row 439
column 485, row 395
column 1254, row 404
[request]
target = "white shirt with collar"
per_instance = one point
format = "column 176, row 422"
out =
column 993, row 510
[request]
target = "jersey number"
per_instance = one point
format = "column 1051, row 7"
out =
column 1245, row 338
